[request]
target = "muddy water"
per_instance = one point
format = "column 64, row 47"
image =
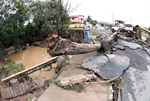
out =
column 31, row 57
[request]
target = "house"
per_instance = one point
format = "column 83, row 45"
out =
column 77, row 19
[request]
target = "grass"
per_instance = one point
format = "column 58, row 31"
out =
column 64, row 64
column 94, row 32
column 77, row 88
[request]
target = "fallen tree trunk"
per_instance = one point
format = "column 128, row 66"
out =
column 59, row 46
column 66, row 47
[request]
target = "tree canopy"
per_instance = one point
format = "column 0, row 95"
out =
column 26, row 21
column 90, row 20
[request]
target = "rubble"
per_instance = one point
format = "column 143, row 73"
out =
column 107, row 67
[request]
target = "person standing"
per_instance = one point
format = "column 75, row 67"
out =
column 86, row 28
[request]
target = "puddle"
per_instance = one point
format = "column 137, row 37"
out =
column 31, row 57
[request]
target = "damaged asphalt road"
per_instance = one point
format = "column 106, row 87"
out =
column 109, row 66
column 135, row 85
column 129, row 61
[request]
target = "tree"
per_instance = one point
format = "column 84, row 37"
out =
column 89, row 18
column 26, row 21
column 93, row 22
column 50, row 15
column 13, row 15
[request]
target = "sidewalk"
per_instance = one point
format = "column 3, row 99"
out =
column 93, row 92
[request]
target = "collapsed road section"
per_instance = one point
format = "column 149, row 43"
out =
column 131, row 64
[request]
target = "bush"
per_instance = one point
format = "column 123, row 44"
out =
column 11, row 68
column 76, row 87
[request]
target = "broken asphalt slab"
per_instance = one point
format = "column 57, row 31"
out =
column 128, row 44
column 107, row 66
column 139, row 58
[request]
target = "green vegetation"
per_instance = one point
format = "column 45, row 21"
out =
column 61, row 66
column 149, row 28
column 28, row 21
column 94, row 32
column 56, row 82
column 93, row 22
column 77, row 87
column 64, row 64
column 11, row 68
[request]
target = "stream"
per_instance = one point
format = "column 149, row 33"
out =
column 31, row 57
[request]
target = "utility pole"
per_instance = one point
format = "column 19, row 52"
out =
column 112, row 19
column 130, row 20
